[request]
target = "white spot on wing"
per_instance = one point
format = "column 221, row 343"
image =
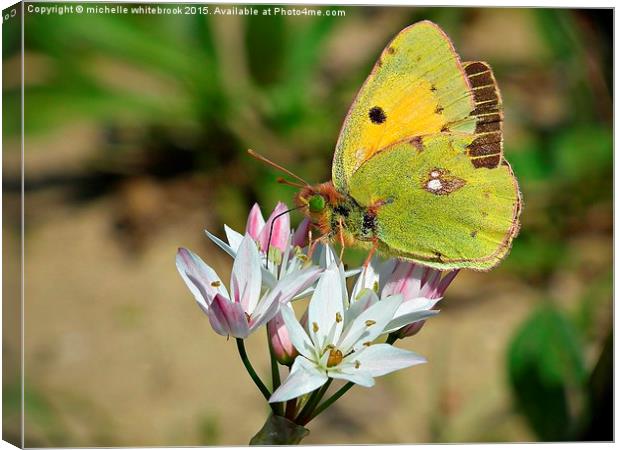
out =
column 434, row 184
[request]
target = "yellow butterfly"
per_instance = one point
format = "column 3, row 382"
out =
column 419, row 171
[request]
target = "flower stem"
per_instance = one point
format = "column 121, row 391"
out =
column 327, row 403
column 248, row 366
column 392, row 337
column 291, row 409
column 306, row 413
column 275, row 375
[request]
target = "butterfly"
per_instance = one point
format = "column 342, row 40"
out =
column 418, row 171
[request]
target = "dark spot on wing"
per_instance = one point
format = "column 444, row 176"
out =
column 391, row 50
column 377, row 115
column 439, row 110
column 473, row 234
column 433, row 88
column 417, row 143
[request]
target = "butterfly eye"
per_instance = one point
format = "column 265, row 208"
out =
column 316, row 203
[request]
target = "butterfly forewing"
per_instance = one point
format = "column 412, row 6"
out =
column 417, row 87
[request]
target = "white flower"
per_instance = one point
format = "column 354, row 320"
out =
column 243, row 310
column 338, row 343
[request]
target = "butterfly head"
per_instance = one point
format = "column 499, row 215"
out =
column 318, row 203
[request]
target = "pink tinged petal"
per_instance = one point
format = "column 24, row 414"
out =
column 234, row 238
column 201, row 279
column 350, row 373
column 405, row 280
column 381, row 359
column 304, row 377
column 326, row 308
column 228, row 318
column 281, row 344
column 245, row 280
column 298, row 336
column 255, row 223
column 444, row 283
column 280, row 232
column 300, row 237
column 430, row 283
column 369, row 324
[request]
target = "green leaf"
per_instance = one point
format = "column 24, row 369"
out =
column 547, row 373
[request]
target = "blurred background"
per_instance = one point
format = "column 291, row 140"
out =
column 136, row 129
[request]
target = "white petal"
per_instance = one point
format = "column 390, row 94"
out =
column 221, row 244
column 378, row 315
column 245, row 280
column 326, row 305
column 201, row 279
column 380, row 359
column 234, row 238
column 298, row 335
column 297, row 282
column 368, row 279
column 364, row 300
column 304, row 377
column 352, row 374
column 266, row 310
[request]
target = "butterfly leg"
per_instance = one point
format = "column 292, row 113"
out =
column 375, row 246
column 341, row 237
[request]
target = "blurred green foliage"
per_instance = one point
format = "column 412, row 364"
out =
column 548, row 374
column 185, row 96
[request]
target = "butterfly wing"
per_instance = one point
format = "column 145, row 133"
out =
column 417, row 87
column 435, row 205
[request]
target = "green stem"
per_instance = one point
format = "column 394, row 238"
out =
column 313, row 401
column 275, row 374
column 391, row 338
column 248, row 366
column 327, row 403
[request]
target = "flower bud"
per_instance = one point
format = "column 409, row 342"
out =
column 280, row 341
column 410, row 330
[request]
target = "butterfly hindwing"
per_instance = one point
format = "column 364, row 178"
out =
column 435, row 207
column 417, row 87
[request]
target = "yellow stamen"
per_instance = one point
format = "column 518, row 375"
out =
column 315, row 327
column 335, row 358
column 338, row 317
column 216, row 284
column 370, row 323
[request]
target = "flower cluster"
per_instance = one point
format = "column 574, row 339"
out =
column 340, row 334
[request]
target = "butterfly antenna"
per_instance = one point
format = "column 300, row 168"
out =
column 273, row 222
column 286, row 182
column 255, row 155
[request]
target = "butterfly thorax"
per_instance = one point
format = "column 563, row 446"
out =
column 337, row 215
